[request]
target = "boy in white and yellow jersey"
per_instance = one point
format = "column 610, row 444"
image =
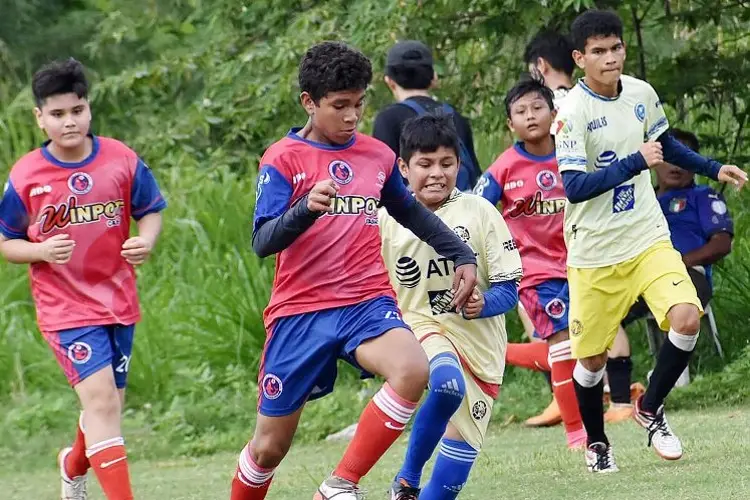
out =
column 466, row 348
column 609, row 132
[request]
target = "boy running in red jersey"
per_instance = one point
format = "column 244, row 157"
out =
column 319, row 190
column 525, row 180
column 66, row 211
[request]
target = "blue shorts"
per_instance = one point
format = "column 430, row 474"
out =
column 301, row 352
column 547, row 305
column 81, row 352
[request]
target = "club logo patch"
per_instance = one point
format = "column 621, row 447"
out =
column 79, row 352
column 479, row 410
column 640, row 111
column 272, row 386
column 677, row 205
column 576, row 328
column 462, row 233
column 340, row 172
column 546, row 180
column 719, row 207
column 408, row 272
column 555, row 308
column 80, row 183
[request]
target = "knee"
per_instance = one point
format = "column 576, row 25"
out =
column 685, row 319
column 447, row 381
column 268, row 451
column 103, row 402
column 411, row 374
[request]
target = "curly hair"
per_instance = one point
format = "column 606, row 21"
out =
column 553, row 47
column 427, row 133
column 59, row 77
column 333, row 67
column 529, row 86
column 594, row 24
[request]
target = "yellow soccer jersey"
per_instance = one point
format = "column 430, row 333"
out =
column 592, row 132
column 422, row 279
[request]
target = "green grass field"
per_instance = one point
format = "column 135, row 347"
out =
column 516, row 464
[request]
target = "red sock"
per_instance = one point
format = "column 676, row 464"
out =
column 76, row 463
column 110, row 464
column 251, row 482
column 532, row 355
column 564, row 390
column 382, row 422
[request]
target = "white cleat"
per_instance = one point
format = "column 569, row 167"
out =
column 335, row 488
column 72, row 489
column 660, row 435
column 600, row 459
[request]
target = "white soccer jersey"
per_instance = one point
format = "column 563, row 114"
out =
column 592, row 132
column 423, row 279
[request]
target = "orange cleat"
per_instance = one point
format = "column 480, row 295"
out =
column 548, row 418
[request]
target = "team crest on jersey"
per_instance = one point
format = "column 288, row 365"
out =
column 79, row 352
column 605, row 159
column 719, row 207
column 640, row 111
column 576, row 328
column 555, row 308
column 80, row 183
column 71, row 214
column 479, row 410
column 408, row 272
column 677, row 205
column 340, row 172
column 272, row 386
column 563, row 126
column 546, row 180
column 462, row 233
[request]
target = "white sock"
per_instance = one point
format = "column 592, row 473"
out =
column 683, row 342
column 587, row 378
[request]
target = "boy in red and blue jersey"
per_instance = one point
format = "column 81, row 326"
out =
column 525, row 181
column 66, row 211
column 319, row 190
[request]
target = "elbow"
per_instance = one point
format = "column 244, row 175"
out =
column 259, row 249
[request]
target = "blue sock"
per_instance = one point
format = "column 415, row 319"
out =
column 451, row 471
column 447, row 389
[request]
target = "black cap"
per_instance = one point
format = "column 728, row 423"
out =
column 409, row 53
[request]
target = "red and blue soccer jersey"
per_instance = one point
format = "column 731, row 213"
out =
column 532, row 196
column 337, row 261
column 91, row 201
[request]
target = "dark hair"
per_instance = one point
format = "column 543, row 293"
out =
column 59, row 77
column 594, row 24
column 411, row 77
column 426, row 133
column 553, row 47
column 333, row 67
column 529, row 86
column 687, row 138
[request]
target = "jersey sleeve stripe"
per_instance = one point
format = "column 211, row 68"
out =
column 660, row 123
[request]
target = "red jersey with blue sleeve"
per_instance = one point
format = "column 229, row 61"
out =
column 337, row 261
column 91, row 201
column 531, row 193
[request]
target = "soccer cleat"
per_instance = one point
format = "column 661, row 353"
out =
column 400, row 490
column 72, row 489
column 618, row 413
column 600, row 459
column 660, row 435
column 335, row 488
column 548, row 418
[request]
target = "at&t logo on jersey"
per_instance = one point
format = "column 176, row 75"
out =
column 70, row 214
column 272, row 386
column 408, row 272
column 546, row 179
column 536, row 205
column 80, row 183
column 340, row 172
column 605, row 159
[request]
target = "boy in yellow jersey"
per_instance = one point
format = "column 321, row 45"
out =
column 609, row 132
column 466, row 348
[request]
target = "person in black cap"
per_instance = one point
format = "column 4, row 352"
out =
column 410, row 75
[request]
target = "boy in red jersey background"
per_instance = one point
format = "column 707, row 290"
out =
column 319, row 190
column 66, row 211
column 526, row 182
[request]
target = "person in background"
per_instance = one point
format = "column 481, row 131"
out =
column 410, row 75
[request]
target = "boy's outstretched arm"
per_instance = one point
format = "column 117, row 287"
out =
column 678, row 154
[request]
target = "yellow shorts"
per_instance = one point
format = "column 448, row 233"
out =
column 601, row 297
column 473, row 416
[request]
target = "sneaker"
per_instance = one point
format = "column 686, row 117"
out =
column 548, row 418
column 618, row 413
column 72, row 489
column 400, row 490
column 660, row 435
column 600, row 459
column 335, row 488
